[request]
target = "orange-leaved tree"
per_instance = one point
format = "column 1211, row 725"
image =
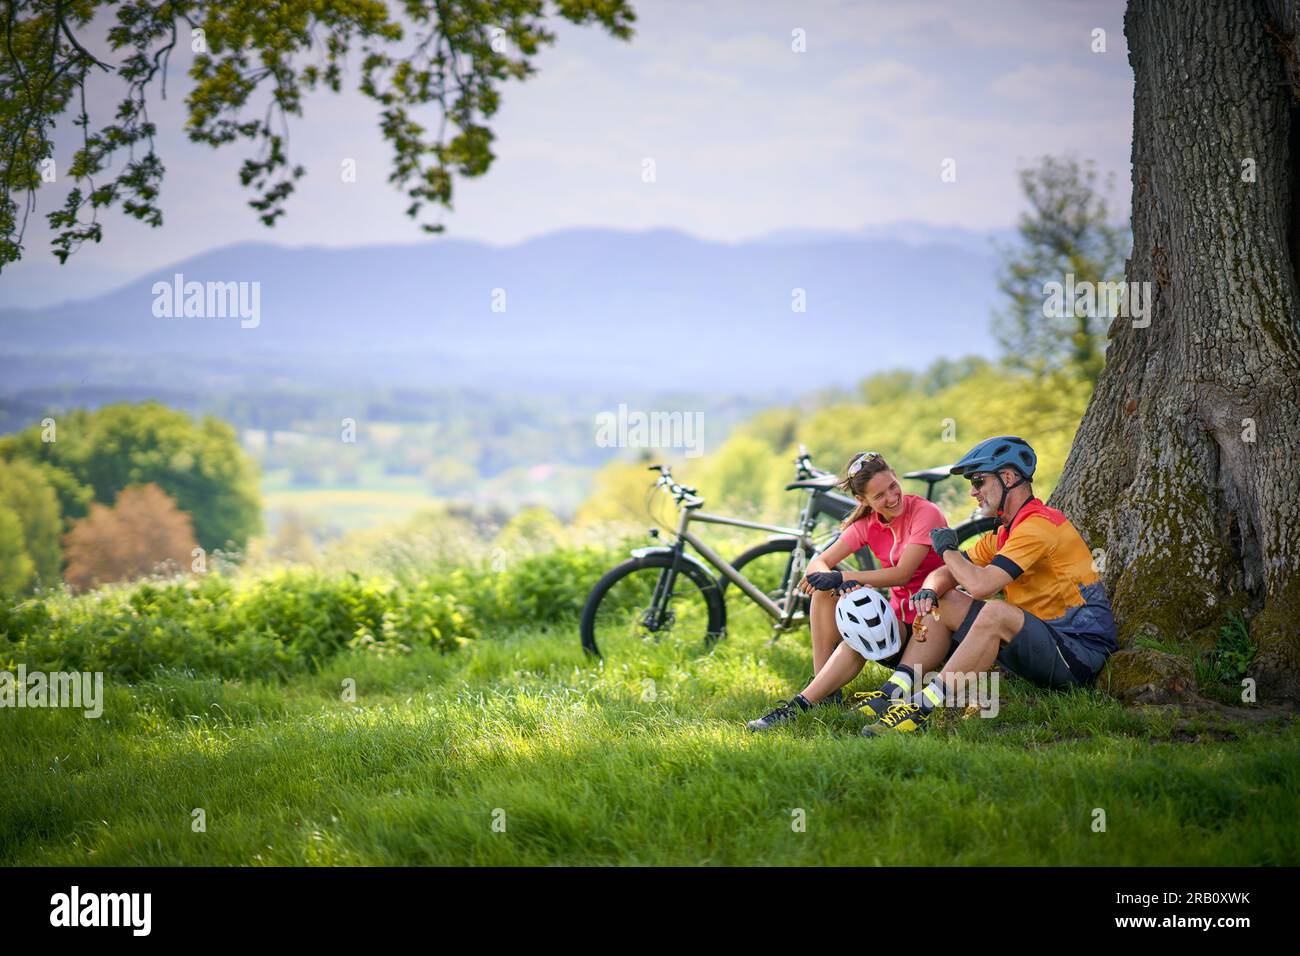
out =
column 143, row 532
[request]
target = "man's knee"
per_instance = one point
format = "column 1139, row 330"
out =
column 1000, row 619
column 953, row 608
column 963, row 614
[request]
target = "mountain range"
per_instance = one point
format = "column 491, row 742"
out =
column 575, row 309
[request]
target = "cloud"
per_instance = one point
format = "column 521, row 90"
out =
column 752, row 49
column 892, row 77
column 1063, row 86
column 698, row 79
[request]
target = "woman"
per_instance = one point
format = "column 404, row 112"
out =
column 896, row 527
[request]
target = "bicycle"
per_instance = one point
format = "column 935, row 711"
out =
column 661, row 588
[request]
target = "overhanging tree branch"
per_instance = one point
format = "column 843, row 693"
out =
column 45, row 65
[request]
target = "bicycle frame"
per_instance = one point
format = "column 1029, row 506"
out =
column 802, row 534
column 782, row 614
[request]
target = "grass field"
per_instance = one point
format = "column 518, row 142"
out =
column 575, row 763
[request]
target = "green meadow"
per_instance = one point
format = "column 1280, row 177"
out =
column 516, row 749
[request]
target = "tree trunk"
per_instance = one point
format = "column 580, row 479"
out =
column 1186, row 467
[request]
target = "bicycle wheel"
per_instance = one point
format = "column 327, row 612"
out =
column 975, row 528
column 767, row 567
column 632, row 606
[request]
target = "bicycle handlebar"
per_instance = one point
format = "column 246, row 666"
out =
column 679, row 491
column 804, row 468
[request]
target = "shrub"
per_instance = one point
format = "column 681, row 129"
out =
column 1233, row 651
column 277, row 623
column 292, row 619
column 546, row 588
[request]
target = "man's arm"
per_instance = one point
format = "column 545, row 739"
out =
column 958, row 570
column 981, row 582
column 940, row 581
column 990, row 572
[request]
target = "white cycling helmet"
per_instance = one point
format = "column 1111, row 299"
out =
column 867, row 623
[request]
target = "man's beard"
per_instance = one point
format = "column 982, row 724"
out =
column 989, row 510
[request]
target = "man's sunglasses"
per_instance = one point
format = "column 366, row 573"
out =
column 863, row 460
column 977, row 480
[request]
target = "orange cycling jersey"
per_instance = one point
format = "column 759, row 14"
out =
column 1048, row 562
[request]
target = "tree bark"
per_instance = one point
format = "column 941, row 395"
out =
column 1186, row 467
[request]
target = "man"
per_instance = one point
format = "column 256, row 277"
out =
column 1055, row 627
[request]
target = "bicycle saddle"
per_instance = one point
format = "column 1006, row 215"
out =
column 821, row 484
column 931, row 474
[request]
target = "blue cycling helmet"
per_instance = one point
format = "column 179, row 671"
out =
column 1005, row 451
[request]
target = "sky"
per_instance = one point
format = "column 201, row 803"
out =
column 748, row 135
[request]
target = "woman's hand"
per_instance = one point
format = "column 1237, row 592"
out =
column 836, row 581
column 814, row 566
column 826, row 580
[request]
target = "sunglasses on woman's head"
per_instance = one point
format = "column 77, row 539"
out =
column 861, row 461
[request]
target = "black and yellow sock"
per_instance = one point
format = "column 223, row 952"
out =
column 901, row 682
column 932, row 696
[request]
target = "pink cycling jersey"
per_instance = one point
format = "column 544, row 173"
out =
column 888, row 539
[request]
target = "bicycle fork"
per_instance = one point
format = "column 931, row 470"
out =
column 659, row 612
column 794, row 572
column 655, row 614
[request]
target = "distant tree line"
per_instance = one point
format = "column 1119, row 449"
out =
column 98, row 496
